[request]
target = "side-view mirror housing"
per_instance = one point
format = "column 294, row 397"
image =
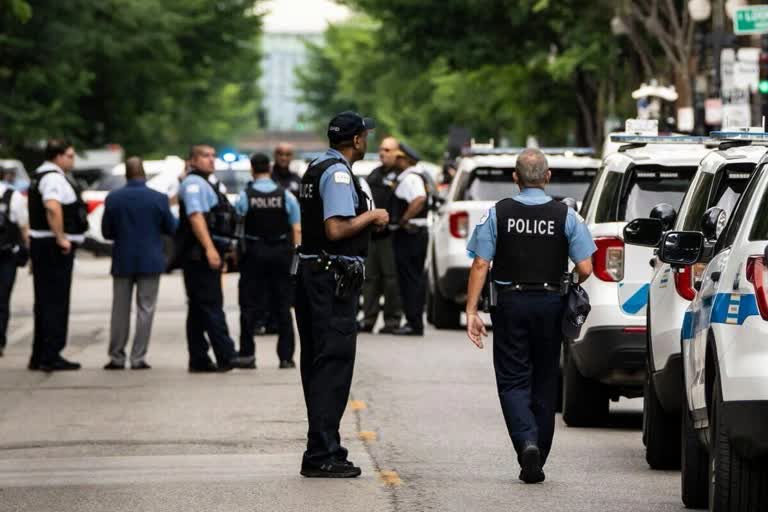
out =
column 665, row 213
column 713, row 223
column 644, row 232
column 681, row 248
column 571, row 203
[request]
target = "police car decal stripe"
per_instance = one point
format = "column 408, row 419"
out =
column 733, row 308
column 637, row 301
column 687, row 330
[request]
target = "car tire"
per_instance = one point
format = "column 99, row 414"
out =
column 446, row 314
column 661, row 432
column 735, row 482
column 585, row 401
column 694, row 461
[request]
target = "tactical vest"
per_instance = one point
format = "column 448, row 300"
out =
column 10, row 234
column 399, row 206
column 531, row 245
column 221, row 221
column 382, row 189
column 75, row 214
column 313, row 239
column 267, row 217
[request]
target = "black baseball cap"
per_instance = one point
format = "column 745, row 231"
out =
column 408, row 152
column 346, row 125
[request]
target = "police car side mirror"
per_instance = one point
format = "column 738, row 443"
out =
column 666, row 213
column 644, row 232
column 681, row 248
column 571, row 203
column 713, row 223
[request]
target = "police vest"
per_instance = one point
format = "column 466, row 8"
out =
column 382, row 189
column 399, row 206
column 10, row 234
column 313, row 236
column 531, row 245
column 221, row 221
column 267, row 217
column 75, row 214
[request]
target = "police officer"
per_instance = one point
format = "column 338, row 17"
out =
column 335, row 223
column 14, row 243
column 529, row 238
column 380, row 272
column 58, row 219
column 281, row 170
column 206, row 231
column 272, row 229
column 410, row 240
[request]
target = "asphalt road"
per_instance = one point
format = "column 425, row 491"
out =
column 424, row 424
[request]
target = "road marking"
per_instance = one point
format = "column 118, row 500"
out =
column 390, row 478
column 367, row 436
column 357, row 405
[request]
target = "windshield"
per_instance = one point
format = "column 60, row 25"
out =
column 494, row 184
column 732, row 182
column 234, row 181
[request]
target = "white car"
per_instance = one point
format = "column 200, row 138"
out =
column 725, row 356
column 608, row 360
column 721, row 179
column 482, row 179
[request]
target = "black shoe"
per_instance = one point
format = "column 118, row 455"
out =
column 287, row 364
column 114, row 366
column 33, row 365
column 207, row 367
column 388, row 329
column 260, row 331
column 245, row 363
column 59, row 365
column 363, row 327
column 407, row 330
column 2, row 351
column 141, row 366
column 530, row 464
column 332, row 469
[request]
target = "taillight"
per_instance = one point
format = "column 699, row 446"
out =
column 608, row 260
column 92, row 204
column 459, row 224
column 686, row 279
column 757, row 275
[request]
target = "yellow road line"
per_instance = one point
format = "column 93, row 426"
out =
column 390, row 478
column 357, row 405
column 367, row 436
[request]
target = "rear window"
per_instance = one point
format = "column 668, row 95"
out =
column 736, row 218
column 494, row 184
column 634, row 193
column 722, row 189
column 760, row 227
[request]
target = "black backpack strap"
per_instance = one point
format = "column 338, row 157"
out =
column 6, row 199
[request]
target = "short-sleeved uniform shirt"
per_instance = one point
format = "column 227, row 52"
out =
column 55, row 187
column 266, row 185
column 482, row 244
column 197, row 194
column 409, row 187
column 18, row 208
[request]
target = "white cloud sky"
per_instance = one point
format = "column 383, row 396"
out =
column 301, row 15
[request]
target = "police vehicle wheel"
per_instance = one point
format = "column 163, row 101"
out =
column 446, row 314
column 694, row 461
column 661, row 432
column 735, row 482
column 585, row 401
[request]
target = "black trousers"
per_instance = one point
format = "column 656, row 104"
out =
column 410, row 254
column 7, row 279
column 52, row 280
column 266, row 285
column 526, row 357
column 328, row 335
column 205, row 315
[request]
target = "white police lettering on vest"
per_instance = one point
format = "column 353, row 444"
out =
column 266, row 202
column 531, row 226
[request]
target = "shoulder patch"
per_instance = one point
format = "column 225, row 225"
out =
column 342, row 177
column 193, row 188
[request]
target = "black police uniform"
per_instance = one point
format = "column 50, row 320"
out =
column 532, row 255
column 326, row 318
column 287, row 179
column 265, row 281
column 205, row 314
column 10, row 247
column 52, row 273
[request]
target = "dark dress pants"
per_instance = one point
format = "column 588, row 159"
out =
column 7, row 279
column 205, row 315
column 410, row 254
column 328, row 335
column 52, row 280
column 265, row 285
column 381, row 279
column 526, row 357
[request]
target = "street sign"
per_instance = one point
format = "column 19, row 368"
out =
column 751, row 20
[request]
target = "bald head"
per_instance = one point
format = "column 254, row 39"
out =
column 532, row 169
column 283, row 155
column 388, row 151
column 134, row 168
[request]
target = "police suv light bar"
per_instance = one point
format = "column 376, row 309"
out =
column 661, row 139
column 568, row 151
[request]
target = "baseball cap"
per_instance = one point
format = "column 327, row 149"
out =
column 346, row 125
column 577, row 308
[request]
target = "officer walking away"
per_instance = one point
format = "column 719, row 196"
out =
column 206, row 232
column 335, row 222
column 58, row 219
column 272, row 228
column 380, row 273
column 136, row 218
column 410, row 240
column 14, row 243
column 281, row 170
column 529, row 238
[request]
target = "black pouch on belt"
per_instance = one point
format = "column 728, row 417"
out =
column 350, row 275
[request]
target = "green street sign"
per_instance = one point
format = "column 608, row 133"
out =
column 751, row 20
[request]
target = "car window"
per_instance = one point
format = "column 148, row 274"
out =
column 607, row 204
column 494, row 184
column 648, row 186
column 721, row 189
column 760, row 227
column 591, row 192
column 735, row 220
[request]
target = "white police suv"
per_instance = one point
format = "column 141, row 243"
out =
column 609, row 359
column 719, row 182
column 484, row 177
column 725, row 350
